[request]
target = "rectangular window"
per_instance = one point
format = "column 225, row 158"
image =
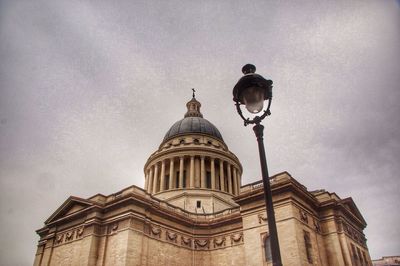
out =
column 208, row 179
column 308, row 246
column 166, row 185
column 177, row 180
column 198, row 203
column 184, row 178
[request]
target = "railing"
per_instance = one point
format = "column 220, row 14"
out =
column 259, row 184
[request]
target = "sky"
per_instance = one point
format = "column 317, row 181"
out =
column 89, row 88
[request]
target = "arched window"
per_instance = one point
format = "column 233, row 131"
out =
column 267, row 248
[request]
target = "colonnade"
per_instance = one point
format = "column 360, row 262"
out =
column 192, row 172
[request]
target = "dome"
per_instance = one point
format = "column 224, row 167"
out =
column 192, row 124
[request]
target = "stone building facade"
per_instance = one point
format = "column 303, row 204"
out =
column 194, row 210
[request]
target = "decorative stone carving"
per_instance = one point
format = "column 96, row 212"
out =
column 219, row 242
column 317, row 226
column 303, row 216
column 345, row 228
column 80, row 230
column 156, row 231
column 69, row 236
column 171, row 236
column 59, row 239
column 236, row 238
column 262, row 218
column 186, row 241
column 114, row 227
column 201, row 244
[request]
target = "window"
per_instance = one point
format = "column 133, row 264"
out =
column 177, row 179
column 208, row 179
column 182, row 141
column 196, row 141
column 308, row 246
column 184, row 178
column 166, row 185
column 267, row 248
column 198, row 204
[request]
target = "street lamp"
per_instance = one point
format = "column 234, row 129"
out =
column 252, row 90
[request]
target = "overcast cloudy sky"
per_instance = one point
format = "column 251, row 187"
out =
column 89, row 88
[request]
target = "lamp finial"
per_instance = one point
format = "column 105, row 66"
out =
column 248, row 68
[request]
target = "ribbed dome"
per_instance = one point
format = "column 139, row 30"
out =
column 192, row 124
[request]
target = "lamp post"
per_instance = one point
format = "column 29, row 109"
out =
column 252, row 90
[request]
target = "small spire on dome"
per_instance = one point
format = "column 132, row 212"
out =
column 193, row 107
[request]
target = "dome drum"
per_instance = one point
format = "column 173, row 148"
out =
column 193, row 166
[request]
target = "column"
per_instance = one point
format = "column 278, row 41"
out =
column 202, row 173
column 171, row 174
column 197, row 174
column 150, row 183
column 235, row 187
column 191, row 181
column 181, row 161
column 221, row 175
column 239, row 180
column 229, row 178
column 212, row 173
column 155, row 178
column 162, row 176
column 146, row 180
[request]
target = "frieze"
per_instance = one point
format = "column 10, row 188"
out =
column 353, row 234
column 172, row 237
column 70, row 235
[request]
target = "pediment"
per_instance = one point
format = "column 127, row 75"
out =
column 349, row 204
column 71, row 206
